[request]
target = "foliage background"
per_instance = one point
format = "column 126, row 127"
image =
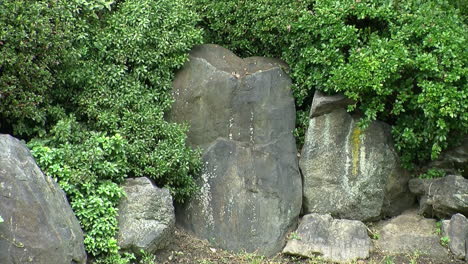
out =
column 87, row 82
column 404, row 62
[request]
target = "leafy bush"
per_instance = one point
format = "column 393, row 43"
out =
column 89, row 82
column 89, row 173
column 402, row 61
column 124, row 79
column 432, row 174
column 34, row 38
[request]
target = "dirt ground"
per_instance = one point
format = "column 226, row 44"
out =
column 187, row 249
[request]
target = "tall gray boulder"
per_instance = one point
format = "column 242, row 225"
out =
column 241, row 113
column 146, row 216
column 349, row 172
column 39, row 225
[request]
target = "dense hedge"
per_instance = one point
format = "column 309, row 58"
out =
column 404, row 62
column 34, row 40
column 87, row 83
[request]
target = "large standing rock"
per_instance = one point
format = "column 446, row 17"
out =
column 241, row 113
column 409, row 233
column 39, row 226
column 457, row 231
column 146, row 216
column 349, row 172
column 334, row 240
column 441, row 197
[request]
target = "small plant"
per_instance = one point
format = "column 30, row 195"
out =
column 414, row 257
column 375, row 236
column 432, row 174
column 438, row 230
column 1, row 219
column 444, row 241
column 252, row 258
column 295, row 236
column 388, row 260
column 205, row 261
column 125, row 258
column 147, row 257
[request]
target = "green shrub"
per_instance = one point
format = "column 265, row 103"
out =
column 34, row 38
column 403, row 61
column 432, row 174
column 89, row 172
column 124, row 79
column 89, row 82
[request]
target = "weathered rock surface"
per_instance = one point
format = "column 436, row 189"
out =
column 241, row 113
column 146, row 216
column 39, row 226
column 454, row 160
column 409, row 233
column 350, row 173
column 333, row 239
column 457, row 231
column 441, row 197
column 324, row 104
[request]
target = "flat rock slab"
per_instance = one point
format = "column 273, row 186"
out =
column 39, row 225
column 241, row 114
column 410, row 233
column 441, row 197
column 146, row 216
column 456, row 229
column 333, row 239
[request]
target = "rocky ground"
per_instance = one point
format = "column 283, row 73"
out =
column 187, row 249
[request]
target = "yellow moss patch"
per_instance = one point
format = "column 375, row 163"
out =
column 356, row 144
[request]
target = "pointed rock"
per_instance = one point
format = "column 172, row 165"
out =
column 39, row 225
column 324, row 104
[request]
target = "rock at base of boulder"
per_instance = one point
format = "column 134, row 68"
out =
column 241, row 206
column 333, row 239
column 457, row 231
column 39, row 225
column 410, row 233
column 146, row 218
column 441, row 197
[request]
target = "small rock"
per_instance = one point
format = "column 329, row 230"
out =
column 457, row 231
column 453, row 160
column 333, row 239
column 323, row 104
column 441, row 197
column 147, row 218
column 409, row 233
